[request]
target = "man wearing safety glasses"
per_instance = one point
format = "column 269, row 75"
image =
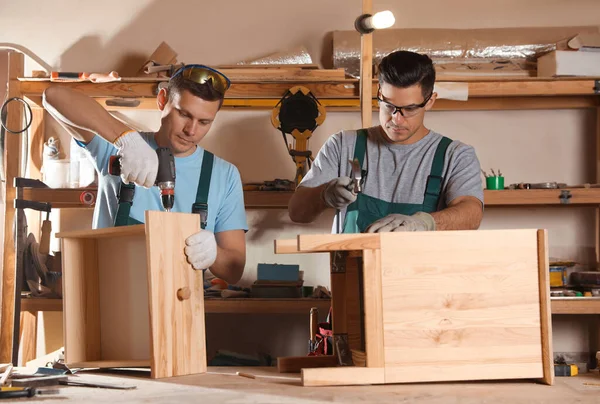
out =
column 413, row 179
column 188, row 105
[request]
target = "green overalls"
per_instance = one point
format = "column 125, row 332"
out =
column 126, row 193
column 365, row 209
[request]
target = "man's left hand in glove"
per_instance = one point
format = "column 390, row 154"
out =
column 420, row 221
column 201, row 249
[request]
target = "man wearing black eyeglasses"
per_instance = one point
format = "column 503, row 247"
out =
column 414, row 179
column 188, row 108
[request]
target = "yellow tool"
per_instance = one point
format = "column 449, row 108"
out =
column 298, row 113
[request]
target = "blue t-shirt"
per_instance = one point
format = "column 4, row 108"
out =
column 226, row 209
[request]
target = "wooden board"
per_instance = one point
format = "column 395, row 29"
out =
column 545, row 314
column 337, row 242
column 373, row 308
column 342, row 376
column 178, row 341
column 295, row 364
column 81, row 308
column 470, row 308
column 12, row 148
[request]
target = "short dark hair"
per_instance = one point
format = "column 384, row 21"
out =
column 205, row 91
column 404, row 69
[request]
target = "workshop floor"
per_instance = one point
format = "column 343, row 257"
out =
column 221, row 385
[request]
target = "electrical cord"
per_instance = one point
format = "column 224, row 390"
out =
column 4, row 115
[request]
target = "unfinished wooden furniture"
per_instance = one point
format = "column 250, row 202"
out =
column 435, row 306
column 131, row 299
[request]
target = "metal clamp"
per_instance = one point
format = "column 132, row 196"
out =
column 565, row 196
column 596, row 86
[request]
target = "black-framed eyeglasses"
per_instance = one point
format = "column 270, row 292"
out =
column 202, row 74
column 406, row 111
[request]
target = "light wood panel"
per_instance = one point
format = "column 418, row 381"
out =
column 457, row 289
column 337, row 242
column 373, row 309
column 111, row 364
column 178, row 342
column 28, row 337
column 575, row 305
column 342, row 376
column 109, row 232
column 123, row 297
column 81, row 307
column 12, row 160
column 545, row 316
column 286, row 246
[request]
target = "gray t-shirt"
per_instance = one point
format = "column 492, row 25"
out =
column 397, row 173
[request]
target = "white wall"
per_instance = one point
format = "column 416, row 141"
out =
column 527, row 146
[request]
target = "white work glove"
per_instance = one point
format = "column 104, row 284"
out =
column 139, row 162
column 420, row 221
column 336, row 193
column 201, row 249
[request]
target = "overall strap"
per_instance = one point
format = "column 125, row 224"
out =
column 435, row 179
column 201, row 204
column 125, row 198
column 360, row 149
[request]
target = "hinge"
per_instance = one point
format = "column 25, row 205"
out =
column 338, row 261
column 565, row 196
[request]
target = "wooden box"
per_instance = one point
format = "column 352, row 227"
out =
column 435, row 306
column 130, row 298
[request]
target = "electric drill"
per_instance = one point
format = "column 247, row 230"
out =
column 165, row 178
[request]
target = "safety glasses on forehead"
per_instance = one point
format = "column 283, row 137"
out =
column 406, row 111
column 202, row 74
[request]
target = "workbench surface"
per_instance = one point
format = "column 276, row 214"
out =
column 222, row 385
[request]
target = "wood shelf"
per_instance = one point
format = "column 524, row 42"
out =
column 70, row 198
column 265, row 306
column 575, row 305
column 33, row 304
column 499, row 93
column 542, row 197
column 560, row 305
column 211, row 305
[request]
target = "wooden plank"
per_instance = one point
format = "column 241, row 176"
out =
column 265, row 306
column 366, row 72
column 335, row 242
column 522, row 197
column 121, row 231
column 33, row 305
column 373, row 308
column 463, row 296
column 12, row 160
column 123, row 297
column 353, row 293
column 106, row 364
column 28, row 338
column 514, row 87
column 575, row 305
column 81, row 306
column 545, row 315
column 295, row 364
column 60, row 198
column 338, row 299
column 470, row 371
column 174, row 353
column 342, row 376
column 286, row 246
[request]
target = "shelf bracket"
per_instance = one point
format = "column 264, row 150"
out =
column 565, row 196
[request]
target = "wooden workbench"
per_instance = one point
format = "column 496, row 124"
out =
column 222, row 385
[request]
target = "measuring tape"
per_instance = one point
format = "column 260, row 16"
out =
column 87, row 198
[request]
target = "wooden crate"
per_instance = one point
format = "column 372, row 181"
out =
column 132, row 300
column 436, row 306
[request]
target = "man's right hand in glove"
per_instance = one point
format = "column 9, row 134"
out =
column 139, row 162
column 337, row 193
